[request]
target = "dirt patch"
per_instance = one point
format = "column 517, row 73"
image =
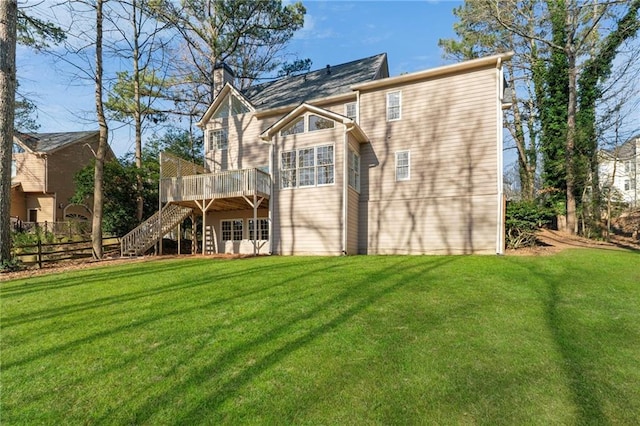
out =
column 551, row 242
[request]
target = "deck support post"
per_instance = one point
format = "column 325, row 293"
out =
column 204, row 207
column 254, row 204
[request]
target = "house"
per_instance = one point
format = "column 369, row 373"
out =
column 42, row 169
column 348, row 160
column 618, row 169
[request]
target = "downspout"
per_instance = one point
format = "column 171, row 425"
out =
column 500, row 231
column 345, row 193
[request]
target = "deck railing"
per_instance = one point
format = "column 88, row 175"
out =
column 231, row 183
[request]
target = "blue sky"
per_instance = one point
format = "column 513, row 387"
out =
column 335, row 32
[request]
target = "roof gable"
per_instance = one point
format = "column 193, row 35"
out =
column 330, row 81
column 50, row 142
column 304, row 108
column 227, row 90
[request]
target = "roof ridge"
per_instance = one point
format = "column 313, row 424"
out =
column 278, row 79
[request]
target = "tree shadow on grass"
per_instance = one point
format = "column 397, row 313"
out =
column 575, row 357
column 341, row 307
column 180, row 285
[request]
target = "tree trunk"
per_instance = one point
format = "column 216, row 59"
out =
column 98, row 192
column 8, row 24
column 571, row 140
column 137, row 113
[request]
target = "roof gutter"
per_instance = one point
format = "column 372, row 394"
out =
column 436, row 72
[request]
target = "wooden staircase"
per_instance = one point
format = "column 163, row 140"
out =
column 142, row 238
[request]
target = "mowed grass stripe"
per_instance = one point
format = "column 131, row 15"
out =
column 316, row 340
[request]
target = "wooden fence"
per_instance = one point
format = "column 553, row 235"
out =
column 40, row 253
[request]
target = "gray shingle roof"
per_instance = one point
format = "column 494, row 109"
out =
column 47, row 142
column 627, row 150
column 317, row 84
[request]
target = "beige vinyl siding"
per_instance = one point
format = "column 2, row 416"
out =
column 449, row 205
column 353, row 205
column 245, row 149
column 30, row 172
column 308, row 220
column 352, row 221
column 18, row 204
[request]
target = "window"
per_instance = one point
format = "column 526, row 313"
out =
column 324, row 155
column 218, row 139
column 351, row 110
column 288, row 169
column 354, row 170
column 263, row 229
column 231, row 229
column 296, row 127
column 319, row 123
column 307, row 167
column 403, row 165
column 14, row 168
column 231, row 105
column 626, row 185
column 394, row 100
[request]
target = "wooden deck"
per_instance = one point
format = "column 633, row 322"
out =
column 229, row 188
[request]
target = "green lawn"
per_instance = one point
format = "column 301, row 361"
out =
column 316, row 340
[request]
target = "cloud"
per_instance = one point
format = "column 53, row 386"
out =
column 315, row 28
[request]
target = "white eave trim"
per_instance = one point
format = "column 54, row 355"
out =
column 351, row 126
column 343, row 97
column 227, row 89
column 495, row 60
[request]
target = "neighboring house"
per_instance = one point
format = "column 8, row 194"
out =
column 347, row 160
column 42, row 170
column 619, row 169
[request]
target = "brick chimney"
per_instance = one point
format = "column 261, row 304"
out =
column 222, row 74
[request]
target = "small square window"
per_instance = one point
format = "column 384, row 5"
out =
column 231, row 230
column 218, row 139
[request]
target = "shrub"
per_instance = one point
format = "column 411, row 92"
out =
column 522, row 221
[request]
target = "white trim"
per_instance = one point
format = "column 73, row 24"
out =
column 500, row 228
column 315, row 167
column 395, row 169
column 232, row 220
column 399, row 92
column 434, row 72
column 346, row 110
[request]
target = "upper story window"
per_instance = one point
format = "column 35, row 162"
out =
column 218, row 139
column 17, row 149
column 297, row 126
column 305, row 167
column 351, row 110
column 309, row 123
column 630, row 166
column 403, row 165
column 354, row 170
column 394, row 106
column 318, row 123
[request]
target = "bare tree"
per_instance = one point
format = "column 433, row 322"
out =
column 8, row 34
